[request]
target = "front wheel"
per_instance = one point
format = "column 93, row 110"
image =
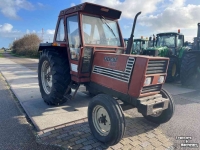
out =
column 106, row 119
column 165, row 115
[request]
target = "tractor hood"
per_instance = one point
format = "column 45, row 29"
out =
column 157, row 51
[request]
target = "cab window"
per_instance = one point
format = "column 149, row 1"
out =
column 61, row 32
column 73, row 36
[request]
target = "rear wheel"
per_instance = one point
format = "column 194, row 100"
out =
column 165, row 115
column 53, row 76
column 106, row 119
column 189, row 69
column 173, row 70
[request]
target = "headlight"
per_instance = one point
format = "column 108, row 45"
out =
column 148, row 81
column 161, row 79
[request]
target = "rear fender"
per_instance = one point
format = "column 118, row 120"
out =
column 44, row 46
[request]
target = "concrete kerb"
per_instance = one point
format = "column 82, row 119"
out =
column 25, row 110
column 19, row 84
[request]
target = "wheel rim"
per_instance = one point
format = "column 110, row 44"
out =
column 101, row 120
column 157, row 114
column 174, row 70
column 46, row 77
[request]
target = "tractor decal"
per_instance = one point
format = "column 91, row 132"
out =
column 116, row 74
column 110, row 59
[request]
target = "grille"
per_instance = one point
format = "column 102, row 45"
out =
column 116, row 74
column 152, row 88
column 156, row 66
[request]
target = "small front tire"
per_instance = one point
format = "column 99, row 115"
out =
column 106, row 119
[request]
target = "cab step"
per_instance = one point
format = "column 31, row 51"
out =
column 74, row 86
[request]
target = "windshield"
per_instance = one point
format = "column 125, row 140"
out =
column 100, row 31
column 166, row 40
column 136, row 45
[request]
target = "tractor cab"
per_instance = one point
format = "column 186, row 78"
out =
column 171, row 40
column 167, row 44
column 89, row 28
column 138, row 45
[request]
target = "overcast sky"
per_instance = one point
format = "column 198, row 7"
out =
column 19, row 17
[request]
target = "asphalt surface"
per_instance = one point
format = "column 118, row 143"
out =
column 33, row 65
column 15, row 132
column 186, row 119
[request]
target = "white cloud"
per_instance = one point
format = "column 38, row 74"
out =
column 40, row 4
column 177, row 3
column 173, row 18
column 27, row 31
column 129, row 8
column 6, row 31
column 6, row 27
column 49, row 31
column 9, row 8
column 72, row 4
column 125, row 26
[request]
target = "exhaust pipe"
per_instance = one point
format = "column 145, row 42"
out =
column 130, row 40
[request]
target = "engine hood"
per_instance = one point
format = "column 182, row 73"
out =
column 161, row 51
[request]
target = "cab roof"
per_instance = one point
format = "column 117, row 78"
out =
column 167, row 33
column 126, row 39
column 91, row 8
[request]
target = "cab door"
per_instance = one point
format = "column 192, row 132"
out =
column 74, row 44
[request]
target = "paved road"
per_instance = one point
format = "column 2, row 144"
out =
column 186, row 120
column 15, row 131
column 26, row 62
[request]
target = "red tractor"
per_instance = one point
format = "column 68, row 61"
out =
column 88, row 49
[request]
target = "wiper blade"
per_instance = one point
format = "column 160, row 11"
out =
column 108, row 26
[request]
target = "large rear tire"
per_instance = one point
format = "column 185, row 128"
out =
column 53, row 76
column 106, row 119
column 165, row 115
column 189, row 74
column 173, row 70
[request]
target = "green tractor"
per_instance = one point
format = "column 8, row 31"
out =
column 190, row 67
column 139, row 45
column 169, row 44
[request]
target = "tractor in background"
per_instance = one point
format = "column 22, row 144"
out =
column 139, row 45
column 169, row 44
column 190, row 67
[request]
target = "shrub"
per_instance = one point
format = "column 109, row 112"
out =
column 27, row 45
